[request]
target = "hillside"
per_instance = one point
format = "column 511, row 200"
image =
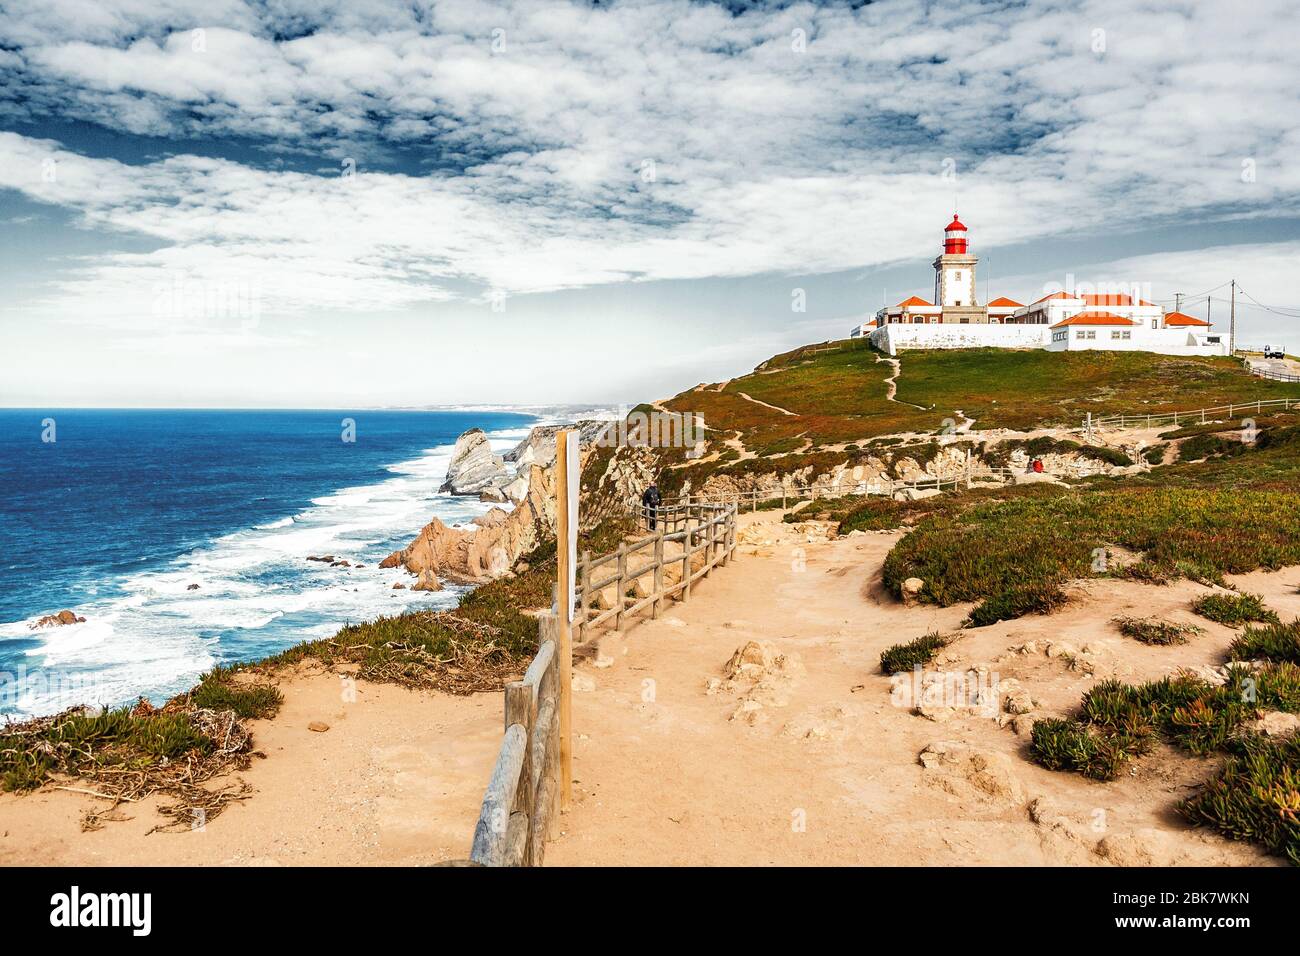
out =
column 836, row 398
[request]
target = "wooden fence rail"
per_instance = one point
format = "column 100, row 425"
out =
column 1193, row 417
column 518, row 808
column 695, row 528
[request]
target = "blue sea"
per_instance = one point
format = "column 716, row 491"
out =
column 124, row 510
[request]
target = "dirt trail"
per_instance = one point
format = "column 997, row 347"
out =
column 822, row 768
column 775, row 408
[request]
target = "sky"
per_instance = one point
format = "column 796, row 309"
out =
column 360, row 203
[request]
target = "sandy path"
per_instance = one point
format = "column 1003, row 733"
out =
column 397, row 779
column 775, row 408
column 831, row 776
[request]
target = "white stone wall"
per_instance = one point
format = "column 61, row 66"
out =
column 898, row 336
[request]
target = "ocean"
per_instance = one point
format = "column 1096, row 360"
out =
column 124, row 510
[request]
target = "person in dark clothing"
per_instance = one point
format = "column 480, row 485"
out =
column 650, row 500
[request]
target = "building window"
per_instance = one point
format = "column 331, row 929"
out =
column 1115, row 334
column 1092, row 334
column 1081, row 334
column 1155, row 323
column 1128, row 335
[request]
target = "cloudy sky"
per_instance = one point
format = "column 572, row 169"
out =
column 348, row 203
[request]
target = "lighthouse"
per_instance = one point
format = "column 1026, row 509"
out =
column 954, row 271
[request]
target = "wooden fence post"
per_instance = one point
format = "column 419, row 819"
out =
column 621, row 586
column 656, row 607
column 687, row 543
column 565, row 644
column 521, row 708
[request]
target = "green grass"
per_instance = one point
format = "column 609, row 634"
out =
column 838, row 394
column 218, row 690
column 1067, row 744
column 471, row 648
column 1234, row 610
column 77, row 742
column 1207, row 446
column 1255, row 797
column 1017, row 600
column 1201, row 521
column 915, row 653
column 1273, row 642
column 1154, row 631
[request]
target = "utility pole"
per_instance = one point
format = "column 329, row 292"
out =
column 1178, row 302
column 1232, row 321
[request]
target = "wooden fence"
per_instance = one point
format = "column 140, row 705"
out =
column 1196, row 416
column 699, row 527
column 519, row 807
column 522, row 798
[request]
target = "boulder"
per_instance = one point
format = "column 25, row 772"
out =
column 494, row 517
column 64, row 617
column 427, row 581
column 912, row 589
column 517, row 490
column 394, row 560
column 473, row 466
column 192, row 587
column 399, row 586
column 492, row 493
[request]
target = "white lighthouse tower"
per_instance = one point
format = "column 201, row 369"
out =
column 954, row 271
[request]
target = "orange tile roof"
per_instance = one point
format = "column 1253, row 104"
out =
column 1054, row 295
column 1004, row 302
column 914, row 300
column 1095, row 318
column 1181, row 318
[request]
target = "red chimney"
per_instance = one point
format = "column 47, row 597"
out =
column 954, row 237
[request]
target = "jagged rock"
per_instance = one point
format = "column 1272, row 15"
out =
column 192, row 587
column 427, row 581
column 953, row 766
column 473, row 466
column 394, row 560
column 1275, row 723
column 340, row 564
column 493, row 518
column 1019, row 702
column 59, row 620
column 323, row 558
column 492, row 493
column 517, row 490
column 399, row 586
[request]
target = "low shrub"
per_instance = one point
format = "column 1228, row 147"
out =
column 1064, row 744
column 904, row 657
column 1152, row 630
column 1234, row 610
column 1255, row 796
column 218, row 690
column 1272, row 642
column 1017, row 601
column 1207, row 445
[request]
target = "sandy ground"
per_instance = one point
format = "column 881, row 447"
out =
column 815, row 760
column 825, row 769
column 397, row 779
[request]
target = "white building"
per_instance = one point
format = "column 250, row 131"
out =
column 1061, row 321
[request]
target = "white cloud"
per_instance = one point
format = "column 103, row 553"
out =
column 765, row 159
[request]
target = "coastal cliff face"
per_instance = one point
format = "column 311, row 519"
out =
column 489, row 550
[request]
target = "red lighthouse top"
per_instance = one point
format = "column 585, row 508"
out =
column 954, row 237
